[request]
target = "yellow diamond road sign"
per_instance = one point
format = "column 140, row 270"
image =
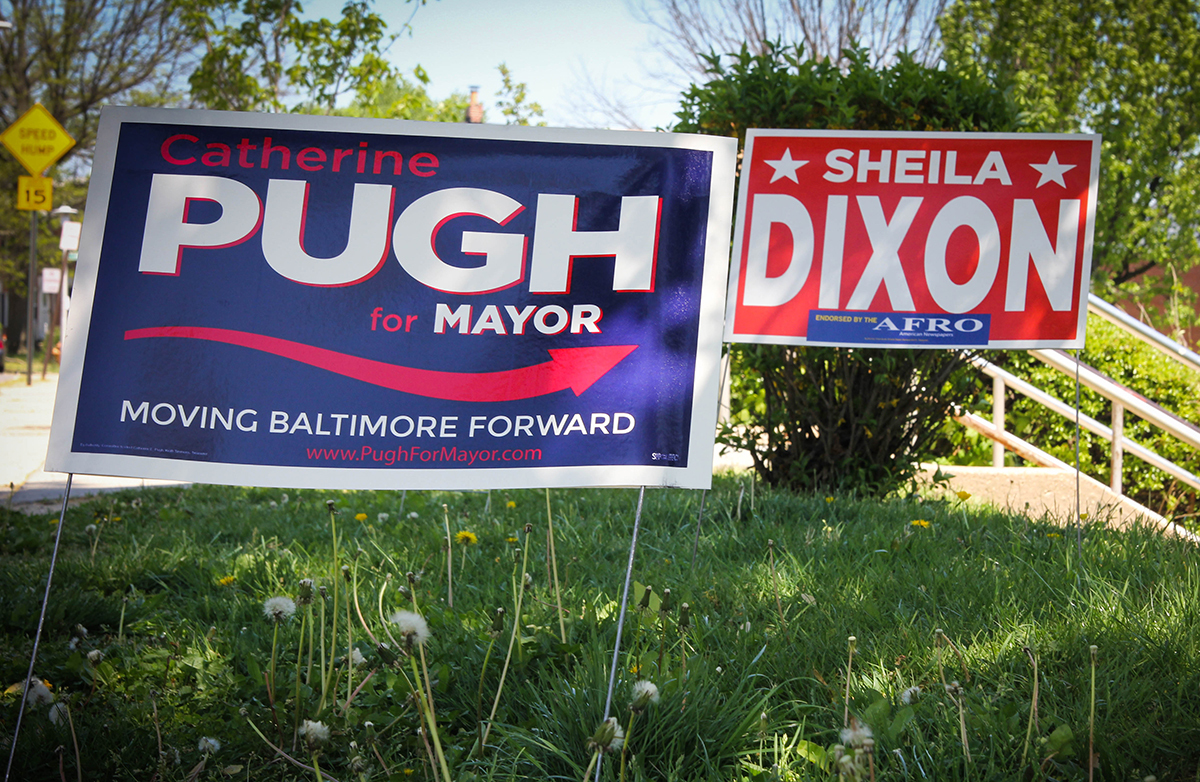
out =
column 37, row 140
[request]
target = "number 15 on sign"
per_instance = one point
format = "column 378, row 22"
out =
column 34, row 193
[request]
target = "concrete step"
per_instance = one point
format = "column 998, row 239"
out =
column 1049, row 493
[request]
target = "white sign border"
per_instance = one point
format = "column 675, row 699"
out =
column 735, row 262
column 697, row 474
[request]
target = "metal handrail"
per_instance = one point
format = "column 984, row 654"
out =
column 1121, row 442
column 1121, row 397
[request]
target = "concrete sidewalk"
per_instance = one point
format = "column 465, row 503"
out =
column 25, row 414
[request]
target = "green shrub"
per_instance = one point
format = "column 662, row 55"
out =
column 826, row 419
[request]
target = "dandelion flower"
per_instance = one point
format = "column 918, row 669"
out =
column 608, row 737
column 208, row 746
column 511, row 539
column 314, row 733
column 226, row 580
column 412, row 626
column 382, row 517
column 465, row 538
column 963, row 495
column 1053, row 535
column 360, row 517
column 922, row 523
column 645, row 693
column 510, row 504
column 856, row 734
column 278, row 608
column 910, row 695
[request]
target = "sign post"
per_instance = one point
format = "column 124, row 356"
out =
column 37, row 141
column 354, row 303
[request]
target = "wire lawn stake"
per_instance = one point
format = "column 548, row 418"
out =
column 1078, row 524
column 562, row 627
column 612, row 675
column 37, row 636
column 449, row 559
column 699, row 521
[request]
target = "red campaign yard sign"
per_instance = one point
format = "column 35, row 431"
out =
column 917, row 240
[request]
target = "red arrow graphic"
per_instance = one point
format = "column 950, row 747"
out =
column 573, row 368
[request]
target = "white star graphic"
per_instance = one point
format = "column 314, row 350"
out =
column 1051, row 171
column 785, row 166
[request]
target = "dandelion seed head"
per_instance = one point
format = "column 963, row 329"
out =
column 208, row 746
column 382, row 517
column 314, row 733
column 856, row 734
column 272, row 504
column 609, row 737
column 90, row 530
column 910, row 695
column 278, row 608
column 356, row 658
column 95, row 656
column 414, row 515
column 57, row 714
column 645, row 693
column 39, row 694
column 412, row 627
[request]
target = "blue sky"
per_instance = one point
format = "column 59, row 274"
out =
column 554, row 46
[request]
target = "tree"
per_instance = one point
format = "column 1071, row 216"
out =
column 822, row 419
column 72, row 56
column 692, row 29
column 396, row 97
column 1128, row 72
column 514, row 101
column 256, row 52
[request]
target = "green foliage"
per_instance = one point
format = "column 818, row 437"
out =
column 1128, row 72
column 514, row 102
column 824, row 419
column 172, row 599
column 396, row 97
column 256, row 51
column 1145, row 371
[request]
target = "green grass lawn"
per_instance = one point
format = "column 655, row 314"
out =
column 170, row 586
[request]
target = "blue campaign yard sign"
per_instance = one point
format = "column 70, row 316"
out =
column 348, row 303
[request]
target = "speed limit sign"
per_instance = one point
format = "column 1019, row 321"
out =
column 34, row 193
